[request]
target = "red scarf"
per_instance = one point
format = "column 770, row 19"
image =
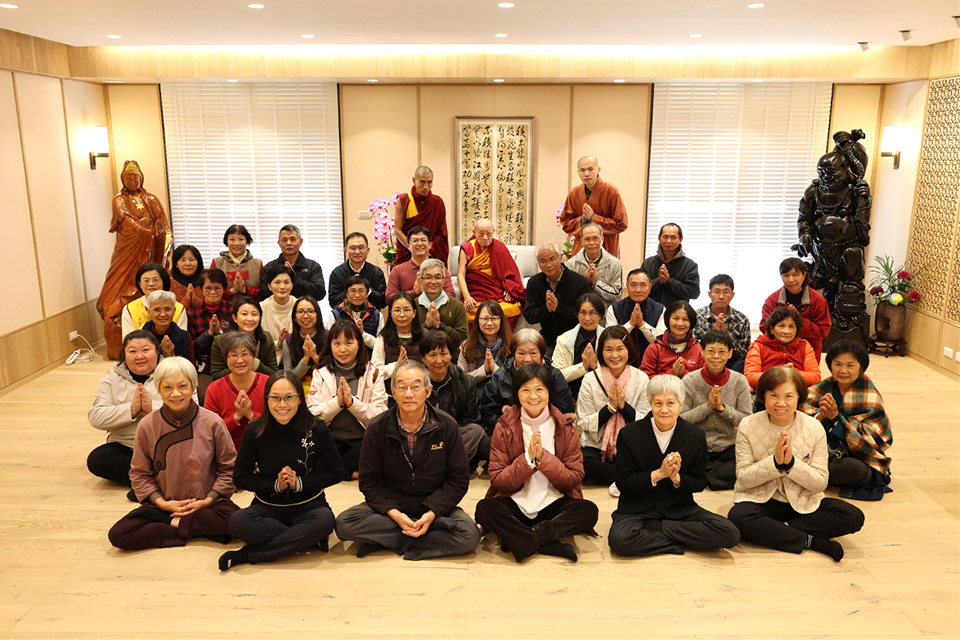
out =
column 717, row 381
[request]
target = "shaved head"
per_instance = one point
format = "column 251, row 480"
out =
column 592, row 159
column 483, row 231
column 589, row 170
column 422, row 171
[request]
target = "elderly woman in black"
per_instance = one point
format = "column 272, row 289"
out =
column 287, row 458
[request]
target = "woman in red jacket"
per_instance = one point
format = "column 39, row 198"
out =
column 535, row 470
column 782, row 345
column 676, row 351
column 797, row 294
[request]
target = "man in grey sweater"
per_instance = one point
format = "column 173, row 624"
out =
column 717, row 399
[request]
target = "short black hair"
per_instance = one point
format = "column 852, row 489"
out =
column 636, row 272
column 619, row 333
column 854, row 348
column 717, row 337
column 418, row 229
column 355, row 279
column 720, row 278
column 793, row 263
column 435, row 340
column 595, row 301
column 680, row 304
column 139, row 334
column 273, row 271
column 179, row 253
column 356, row 234
column 153, row 266
column 216, row 276
column 779, row 315
column 671, row 224
column 528, row 372
column 237, row 228
column 302, row 421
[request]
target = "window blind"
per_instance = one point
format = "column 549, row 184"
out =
column 729, row 164
column 261, row 155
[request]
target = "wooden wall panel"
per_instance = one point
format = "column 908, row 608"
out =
column 23, row 353
column 950, row 338
column 28, row 53
column 923, row 335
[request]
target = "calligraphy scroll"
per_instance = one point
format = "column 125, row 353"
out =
column 494, row 171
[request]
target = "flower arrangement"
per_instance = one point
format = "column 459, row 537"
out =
column 568, row 245
column 383, row 227
column 892, row 285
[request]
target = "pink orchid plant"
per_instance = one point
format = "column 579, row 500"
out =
column 383, row 226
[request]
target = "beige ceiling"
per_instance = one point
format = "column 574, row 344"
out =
column 474, row 22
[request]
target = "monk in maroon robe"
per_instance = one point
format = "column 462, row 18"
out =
column 421, row 208
column 487, row 271
column 594, row 201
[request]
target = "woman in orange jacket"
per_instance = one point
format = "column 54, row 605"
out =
column 782, row 345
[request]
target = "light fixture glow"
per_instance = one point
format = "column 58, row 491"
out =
column 890, row 145
column 696, row 35
column 755, row 5
column 232, row 80
column 114, row 37
column 307, row 36
column 864, row 45
column 498, row 79
column 255, row 6
column 6, row 5
column 372, row 80
column 758, row 80
column 499, row 35
column 905, row 34
column 618, row 80
column 505, row 5
column 97, row 142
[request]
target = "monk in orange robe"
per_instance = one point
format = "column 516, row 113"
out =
column 487, row 271
column 421, row 208
column 594, row 201
column 143, row 235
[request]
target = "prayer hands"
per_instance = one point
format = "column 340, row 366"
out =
column 678, row 367
column 242, row 407
column 344, row 396
column 189, row 296
column 469, row 302
column 215, row 327
column 636, row 316
column 310, row 350
column 418, row 285
column 402, row 356
column 669, row 468
column 618, row 396
column 591, row 275
column 141, row 402
column 715, row 400
column 589, row 357
column 238, row 284
column 166, row 347
column 588, row 212
column 675, row 461
column 535, row 450
column 489, row 364
column 552, row 301
column 720, row 324
column 828, row 407
column 783, row 452
column 432, row 319
column 664, row 274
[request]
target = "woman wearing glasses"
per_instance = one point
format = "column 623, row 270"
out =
column 400, row 338
column 576, row 352
column 301, row 349
column 287, row 458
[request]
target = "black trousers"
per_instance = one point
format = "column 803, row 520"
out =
column 522, row 535
column 722, row 469
column 849, row 472
column 149, row 527
column 349, row 455
column 111, row 461
column 273, row 532
column 649, row 534
column 595, row 469
column 777, row 525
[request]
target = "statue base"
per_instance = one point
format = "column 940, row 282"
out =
column 859, row 333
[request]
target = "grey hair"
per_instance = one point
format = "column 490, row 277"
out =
column 290, row 227
column 169, row 367
column 666, row 384
column 235, row 340
column 591, row 225
column 414, row 364
column 160, row 296
column 529, row 335
column 431, row 263
column 553, row 245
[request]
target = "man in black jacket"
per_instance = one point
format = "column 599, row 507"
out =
column 551, row 294
column 673, row 275
column 453, row 391
column 661, row 463
column 413, row 473
column 309, row 280
column 358, row 249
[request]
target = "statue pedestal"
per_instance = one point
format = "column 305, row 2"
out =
column 859, row 333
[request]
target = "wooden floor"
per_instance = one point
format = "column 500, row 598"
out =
column 60, row 578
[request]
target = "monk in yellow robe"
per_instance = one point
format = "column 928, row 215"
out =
column 487, row 271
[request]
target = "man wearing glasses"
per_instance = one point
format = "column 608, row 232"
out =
column 413, row 473
column 405, row 276
column 551, row 294
column 487, row 271
column 436, row 310
column 357, row 249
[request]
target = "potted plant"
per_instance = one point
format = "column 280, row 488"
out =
column 891, row 288
column 383, row 227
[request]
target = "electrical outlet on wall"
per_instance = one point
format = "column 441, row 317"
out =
column 364, row 214
column 74, row 335
column 956, row 355
column 947, row 351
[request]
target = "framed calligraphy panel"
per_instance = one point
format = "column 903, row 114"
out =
column 493, row 176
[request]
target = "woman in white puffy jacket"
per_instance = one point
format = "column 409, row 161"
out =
column 782, row 473
column 347, row 391
column 575, row 354
column 612, row 396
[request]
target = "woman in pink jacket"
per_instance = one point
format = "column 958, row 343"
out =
column 676, row 351
column 535, row 470
column 782, row 345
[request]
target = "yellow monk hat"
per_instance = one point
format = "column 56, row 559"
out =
column 131, row 166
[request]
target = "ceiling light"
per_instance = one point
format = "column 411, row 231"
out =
column 755, row 5
column 14, row 6
column 505, row 5
column 758, row 80
column 372, row 80
column 619, row 80
column 307, row 36
column 255, row 6
column 232, row 80
column 905, row 34
column 696, row 35
column 114, row 37
column 864, row 45
column 499, row 35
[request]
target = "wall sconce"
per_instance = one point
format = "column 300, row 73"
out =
column 99, row 145
column 890, row 145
